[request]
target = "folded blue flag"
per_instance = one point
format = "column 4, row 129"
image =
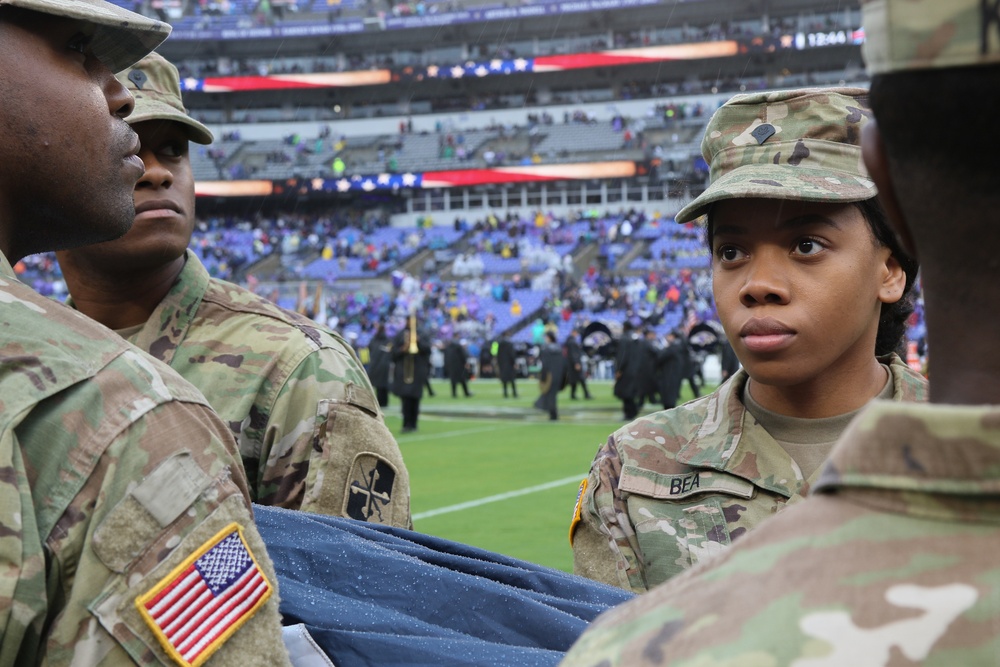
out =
column 375, row 595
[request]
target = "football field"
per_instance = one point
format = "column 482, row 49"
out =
column 496, row 473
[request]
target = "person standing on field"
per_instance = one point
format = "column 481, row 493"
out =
column 628, row 362
column 669, row 367
column 649, row 384
column 552, row 375
column 380, row 365
column 506, row 369
column 576, row 374
column 411, row 371
column 456, row 366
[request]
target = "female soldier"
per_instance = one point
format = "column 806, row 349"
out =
column 813, row 292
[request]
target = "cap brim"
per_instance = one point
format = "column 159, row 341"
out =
column 148, row 109
column 780, row 182
column 121, row 37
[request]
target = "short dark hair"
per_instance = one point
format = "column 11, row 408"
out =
column 938, row 132
column 941, row 122
column 892, row 319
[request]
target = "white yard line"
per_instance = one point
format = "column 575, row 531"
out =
column 575, row 479
column 469, row 431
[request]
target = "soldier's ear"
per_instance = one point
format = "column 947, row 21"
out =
column 873, row 151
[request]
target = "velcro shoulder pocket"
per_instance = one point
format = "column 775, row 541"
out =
column 142, row 515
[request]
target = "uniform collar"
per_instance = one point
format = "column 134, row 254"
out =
column 928, row 448
column 730, row 440
column 167, row 327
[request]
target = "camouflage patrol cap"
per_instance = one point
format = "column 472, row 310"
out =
column 120, row 37
column 156, row 87
column 794, row 144
column 929, row 34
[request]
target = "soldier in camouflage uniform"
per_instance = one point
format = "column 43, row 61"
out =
column 893, row 558
column 117, row 478
column 812, row 290
column 294, row 393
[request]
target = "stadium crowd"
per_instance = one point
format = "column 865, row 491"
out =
column 492, row 258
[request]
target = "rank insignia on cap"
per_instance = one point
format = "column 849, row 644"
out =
column 763, row 132
column 205, row 599
column 138, row 77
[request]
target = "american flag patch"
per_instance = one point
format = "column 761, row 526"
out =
column 205, row 599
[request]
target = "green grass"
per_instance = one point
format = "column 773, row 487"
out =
column 469, row 449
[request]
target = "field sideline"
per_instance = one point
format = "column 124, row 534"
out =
column 495, row 473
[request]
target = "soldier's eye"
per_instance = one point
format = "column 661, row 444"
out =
column 175, row 149
column 808, row 247
column 728, row 253
column 79, row 43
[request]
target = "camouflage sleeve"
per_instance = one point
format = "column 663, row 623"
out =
column 851, row 578
column 161, row 505
column 326, row 447
column 604, row 542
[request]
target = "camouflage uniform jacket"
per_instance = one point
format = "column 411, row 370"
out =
column 892, row 560
column 675, row 486
column 113, row 473
column 294, row 393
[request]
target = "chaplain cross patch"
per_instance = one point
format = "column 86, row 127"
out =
column 369, row 491
column 204, row 600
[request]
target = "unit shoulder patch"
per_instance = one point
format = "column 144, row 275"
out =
column 368, row 496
